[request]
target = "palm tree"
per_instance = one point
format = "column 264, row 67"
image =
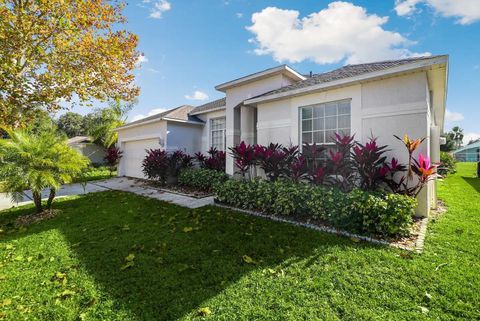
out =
column 457, row 136
column 37, row 161
column 115, row 115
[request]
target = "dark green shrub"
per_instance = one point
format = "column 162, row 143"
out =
column 358, row 211
column 201, row 179
column 447, row 164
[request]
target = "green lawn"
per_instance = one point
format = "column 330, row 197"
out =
column 70, row 268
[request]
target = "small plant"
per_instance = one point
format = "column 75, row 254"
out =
column 215, row 160
column 177, row 161
column 112, row 157
column 201, row 179
column 447, row 164
column 37, row 161
column 369, row 161
column 275, row 160
column 155, row 165
column 243, row 157
column 340, row 168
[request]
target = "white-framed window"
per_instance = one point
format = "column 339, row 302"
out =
column 217, row 133
column 320, row 122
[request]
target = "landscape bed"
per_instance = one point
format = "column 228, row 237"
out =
column 76, row 265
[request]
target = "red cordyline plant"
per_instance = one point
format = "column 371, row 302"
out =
column 216, row 160
column 243, row 157
column 369, row 162
column 275, row 159
column 340, row 166
column 112, row 157
column 298, row 169
column 316, row 170
column 177, row 161
column 155, row 165
column 422, row 168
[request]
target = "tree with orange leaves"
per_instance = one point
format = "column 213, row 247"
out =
column 62, row 50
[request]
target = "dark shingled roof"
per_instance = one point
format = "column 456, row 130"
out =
column 219, row 103
column 180, row 113
column 345, row 72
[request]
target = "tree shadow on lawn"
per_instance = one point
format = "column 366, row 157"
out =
column 183, row 257
column 473, row 181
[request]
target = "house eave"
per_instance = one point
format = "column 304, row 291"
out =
column 209, row 111
column 283, row 69
column 183, row 121
column 352, row 80
column 126, row 126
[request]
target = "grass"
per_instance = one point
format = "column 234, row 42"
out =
column 70, row 268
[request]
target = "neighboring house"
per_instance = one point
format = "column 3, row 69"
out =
column 469, row 153
column 283, row 106
column 86, row 146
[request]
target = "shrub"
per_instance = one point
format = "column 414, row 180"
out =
column 216, row 160
column 447, row 164
column 243, row 157
column 112, row 157
column 38, row 161
column 379, row 214
column 202, row 179
column 160, row 165
column 155, row 165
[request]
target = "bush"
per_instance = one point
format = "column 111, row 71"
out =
column 202, row 179
column 160, row 165
column 447, row 164
column 378, row 214
column 215, row 160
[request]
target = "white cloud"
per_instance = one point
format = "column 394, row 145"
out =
column 341, row 31
column 451, row 116
column 159, row 8
column 150, row 113
column 197, row 95
column 466, row 11
column 239, row 15
column 469, row 137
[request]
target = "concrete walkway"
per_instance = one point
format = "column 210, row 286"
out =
column 119, row 184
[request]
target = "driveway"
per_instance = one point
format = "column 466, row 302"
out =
column 117, row 183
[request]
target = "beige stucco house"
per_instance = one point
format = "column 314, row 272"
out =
column 284, row 106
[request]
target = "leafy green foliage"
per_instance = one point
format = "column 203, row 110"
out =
column 299, row 274
column 447, row 164
column 71, row 124
column 454, row 139
column 36, row 162
column 379, row 214
column 160, row 165
column 109, row 118
column 201, row 179
column 60, row 51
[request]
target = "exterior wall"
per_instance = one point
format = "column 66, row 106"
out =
column 133, row 142
column 205, row 136
column 236, row 96
column 393, row 106
column 147, row 131
column 93, row 151
column 184, row 137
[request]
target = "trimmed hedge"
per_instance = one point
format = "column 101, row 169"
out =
column 202, row 179
column 378, row 214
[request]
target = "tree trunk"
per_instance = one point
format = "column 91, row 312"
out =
column 37, row 200
column 51, row 196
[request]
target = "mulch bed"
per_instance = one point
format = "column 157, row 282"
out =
column 25, row 220
column 413, row 242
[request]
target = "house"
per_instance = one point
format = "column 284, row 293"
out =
column 87, row 147
column 469, row 153
column 284, row 106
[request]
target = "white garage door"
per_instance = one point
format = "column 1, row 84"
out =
column 133, row 155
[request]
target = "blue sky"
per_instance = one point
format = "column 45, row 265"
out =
column 191, row 46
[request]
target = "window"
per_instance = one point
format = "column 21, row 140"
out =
column 320, row 122
column 217, row 133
